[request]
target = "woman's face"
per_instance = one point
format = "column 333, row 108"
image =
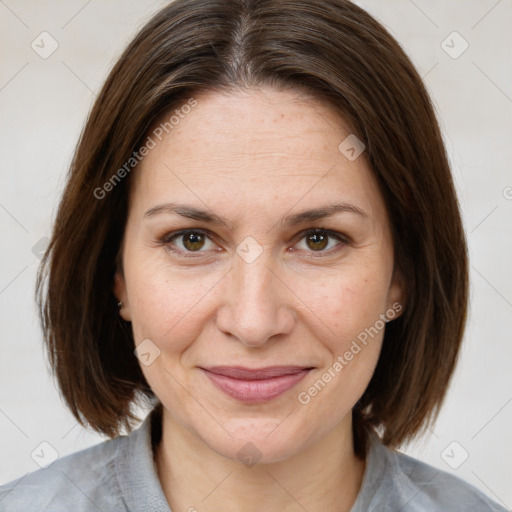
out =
column 256, row 289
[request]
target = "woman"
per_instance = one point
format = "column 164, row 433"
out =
column 259, row 237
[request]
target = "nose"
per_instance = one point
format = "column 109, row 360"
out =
column 257, row 305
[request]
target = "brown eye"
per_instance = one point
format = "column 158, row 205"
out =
column 317, row 241
column 193, row 241
column 188, row 241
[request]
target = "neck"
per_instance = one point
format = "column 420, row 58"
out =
column 325, row 476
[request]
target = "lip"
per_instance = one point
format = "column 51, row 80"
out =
column 253, row 385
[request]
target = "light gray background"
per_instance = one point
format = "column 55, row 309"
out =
column 44, row 103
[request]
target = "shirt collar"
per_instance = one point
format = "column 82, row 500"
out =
column 136, row 471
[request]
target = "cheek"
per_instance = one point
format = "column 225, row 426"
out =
column 349, row 305
column 166, row 302
column 346, row 300
column 169, row 307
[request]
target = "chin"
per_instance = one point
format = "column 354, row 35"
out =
column 256, row 451
column 261, row 441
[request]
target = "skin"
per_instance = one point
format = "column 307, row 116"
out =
column 254, row 157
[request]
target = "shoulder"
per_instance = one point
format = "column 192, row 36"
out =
column 414, row 486
column 85, row 480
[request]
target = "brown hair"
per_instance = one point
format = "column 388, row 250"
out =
column 341, row 55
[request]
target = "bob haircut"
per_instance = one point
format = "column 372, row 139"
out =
column 339, row 54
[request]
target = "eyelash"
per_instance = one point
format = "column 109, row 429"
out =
column 167, row 239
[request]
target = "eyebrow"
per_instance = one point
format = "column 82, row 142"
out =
column 191, row 212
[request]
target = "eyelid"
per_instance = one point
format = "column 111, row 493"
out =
column 329, row 232
column 167, row 239
column 340, row 237
column 175, row 234
column 343, row 241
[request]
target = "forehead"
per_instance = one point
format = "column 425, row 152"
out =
column 251, row 148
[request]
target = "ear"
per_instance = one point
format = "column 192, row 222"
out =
column 397, row 295
column 121, row 295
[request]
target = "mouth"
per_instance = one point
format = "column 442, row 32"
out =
column 255, row 385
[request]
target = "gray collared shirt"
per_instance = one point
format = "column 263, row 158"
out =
column 119, row 475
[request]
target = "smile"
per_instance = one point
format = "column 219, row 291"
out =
column 253, row 386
